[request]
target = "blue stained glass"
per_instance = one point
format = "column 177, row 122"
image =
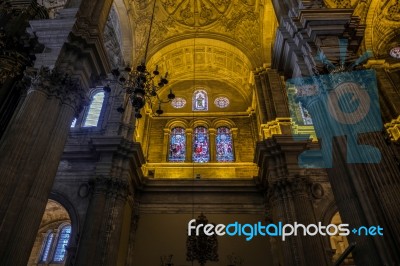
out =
column 201, row 150
column 224, row 146
column 62, row 243
column 93, row 115
column 177, row 145
column 47, row 246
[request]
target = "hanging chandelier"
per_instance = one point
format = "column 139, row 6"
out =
column 142, row 86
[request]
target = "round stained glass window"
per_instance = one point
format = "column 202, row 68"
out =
column 221, row 102
column 178, row 102
column 395, row 52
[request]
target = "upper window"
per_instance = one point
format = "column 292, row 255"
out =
column 93, row 115
column 224, row 145
column 221, row 102
column 395, row 52
column 201, row 151
column 63, row 239
column 177, row 145
column 200, row 100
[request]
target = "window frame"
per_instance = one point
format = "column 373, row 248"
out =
column 81, row 119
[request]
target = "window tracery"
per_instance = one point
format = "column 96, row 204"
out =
column 221, row 102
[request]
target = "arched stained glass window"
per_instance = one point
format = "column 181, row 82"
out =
column 201, row 151
column 48, row 241
column 177, row 145
column 200, row 100
column 93, row 115
column 224, row 145
column 62, row 243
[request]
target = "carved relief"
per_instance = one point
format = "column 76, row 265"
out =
column 393, row 12
column 52, row 6
column 112, row 40
column 341, row 3
column 196, row 12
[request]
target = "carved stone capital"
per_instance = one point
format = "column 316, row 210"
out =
column 289, row 187
column 55, row 83
column 114, row 187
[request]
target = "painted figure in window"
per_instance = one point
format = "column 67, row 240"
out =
column 200, row 101
column 200, row 145
column 177, row 145
column 224, row 146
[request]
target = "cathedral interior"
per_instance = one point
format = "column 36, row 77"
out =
column 97, row 171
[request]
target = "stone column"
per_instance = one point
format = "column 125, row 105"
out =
column 289, row 199
column 213, row 157
column 133, row 228
column 103, row 224
column 189, row 145
column 118, row 196
column 30, row 152
column 291, row 202
column 236, row 143
column 165, row 153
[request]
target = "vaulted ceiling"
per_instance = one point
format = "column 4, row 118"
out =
column 214, row 44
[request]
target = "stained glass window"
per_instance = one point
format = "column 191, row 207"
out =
column 46, row 247
column 395, row 52
column 62, row 243
column 177, row 145
column 178, row 102
column 93, row 115
column 224, row 146
column 305, row 115
column 221, row 102
column 201, row 152
column 200, row 100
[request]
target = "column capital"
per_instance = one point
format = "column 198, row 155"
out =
column 289, row 186
column 111, row 186
column 56, row 83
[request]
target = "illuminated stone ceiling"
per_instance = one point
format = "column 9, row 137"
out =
column 205, row 40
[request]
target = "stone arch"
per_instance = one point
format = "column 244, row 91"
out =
column 59, row 211
column 223, row 122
